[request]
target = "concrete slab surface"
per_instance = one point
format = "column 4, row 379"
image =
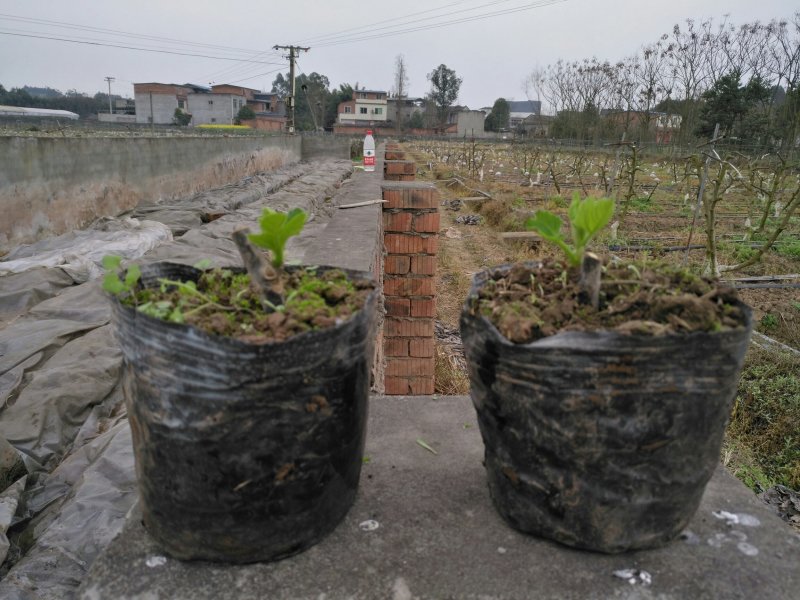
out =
column 439, row 537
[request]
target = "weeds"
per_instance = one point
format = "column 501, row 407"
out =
column 764, row 420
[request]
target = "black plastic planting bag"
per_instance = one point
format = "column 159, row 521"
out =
column 601, row 440
column 244, row 452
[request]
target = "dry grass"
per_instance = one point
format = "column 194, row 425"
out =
column 451, row 374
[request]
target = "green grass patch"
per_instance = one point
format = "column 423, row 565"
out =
column 763, row 434
column 790, row 249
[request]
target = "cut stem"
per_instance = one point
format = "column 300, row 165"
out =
column 589, row 283
column 263, row 276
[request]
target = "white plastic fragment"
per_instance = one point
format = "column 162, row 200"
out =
column 729, row 518
column 156, row 561
column 747, row 549
column 634, row 576
column 737, row 518
column 369, row 525
column 501, row 550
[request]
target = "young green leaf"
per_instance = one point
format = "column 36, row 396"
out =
column 112, row 284
column 276, row 229
column 111, row 262
column 548, row 225
column 589, row 216
column 545, row 224
column 586, row 218
column 132, row 276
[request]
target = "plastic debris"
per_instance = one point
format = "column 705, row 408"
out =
column 156, row 561
column 368, row 525
column 468, row 220
column 634, row 576
column 737, row 518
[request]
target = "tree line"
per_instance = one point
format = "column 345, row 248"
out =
column 74, row 101
column 744, row 77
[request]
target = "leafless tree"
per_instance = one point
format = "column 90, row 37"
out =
column 400, row 90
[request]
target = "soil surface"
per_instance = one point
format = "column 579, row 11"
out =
column 529, row 301
column 223, row 302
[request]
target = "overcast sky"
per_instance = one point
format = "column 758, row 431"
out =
column 493, row 55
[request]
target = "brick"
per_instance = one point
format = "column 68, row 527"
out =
column 423, row 265
column 399, row 243
column 396, row 347
column 399, row 167
column 394, row 327
column 422, row 307
column 409, row 367
column 394, row 155
column 408, row 286
column 395, row 386
column 399, row 177
column 397, row 221
column 397, row 265
column 421, row 386
column 420, row 347
column 398, row 307
column 426, row 222
column 411, row 197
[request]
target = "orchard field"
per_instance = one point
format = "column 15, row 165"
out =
column 745, row 228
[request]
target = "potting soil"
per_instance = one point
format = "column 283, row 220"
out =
column 530, row 301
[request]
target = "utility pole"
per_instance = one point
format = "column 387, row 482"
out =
column 290, row 103
column 110, row 109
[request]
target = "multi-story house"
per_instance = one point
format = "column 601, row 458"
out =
column 368, row 107
column 156, row 102
column 519, row 110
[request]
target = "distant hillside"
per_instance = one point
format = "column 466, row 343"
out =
column 42, row 92
column 45, row 97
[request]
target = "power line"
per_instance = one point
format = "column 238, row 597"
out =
column 540, row 4
column 66, row 25
column 238, row 69
column 158, row 51
column 258, row 75
column 371, row 26
column 332, row 37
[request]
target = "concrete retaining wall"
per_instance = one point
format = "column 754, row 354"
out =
column 328, row 146
column 49, row 186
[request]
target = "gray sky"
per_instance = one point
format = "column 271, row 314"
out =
column 492, row 55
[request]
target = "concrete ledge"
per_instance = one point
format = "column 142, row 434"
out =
column 440, row 537
column 352, row 238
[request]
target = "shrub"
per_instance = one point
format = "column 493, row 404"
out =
column 245, row 114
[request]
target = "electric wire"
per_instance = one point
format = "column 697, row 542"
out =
column 116, row 32
column 540, row 4
column 159, row 51
column 356, row 34
column 322, row 37
column 337, row 38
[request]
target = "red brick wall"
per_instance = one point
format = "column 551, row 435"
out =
column 411, row 226
column 266, row 123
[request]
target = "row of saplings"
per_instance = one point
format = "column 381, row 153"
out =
column 602, row 392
